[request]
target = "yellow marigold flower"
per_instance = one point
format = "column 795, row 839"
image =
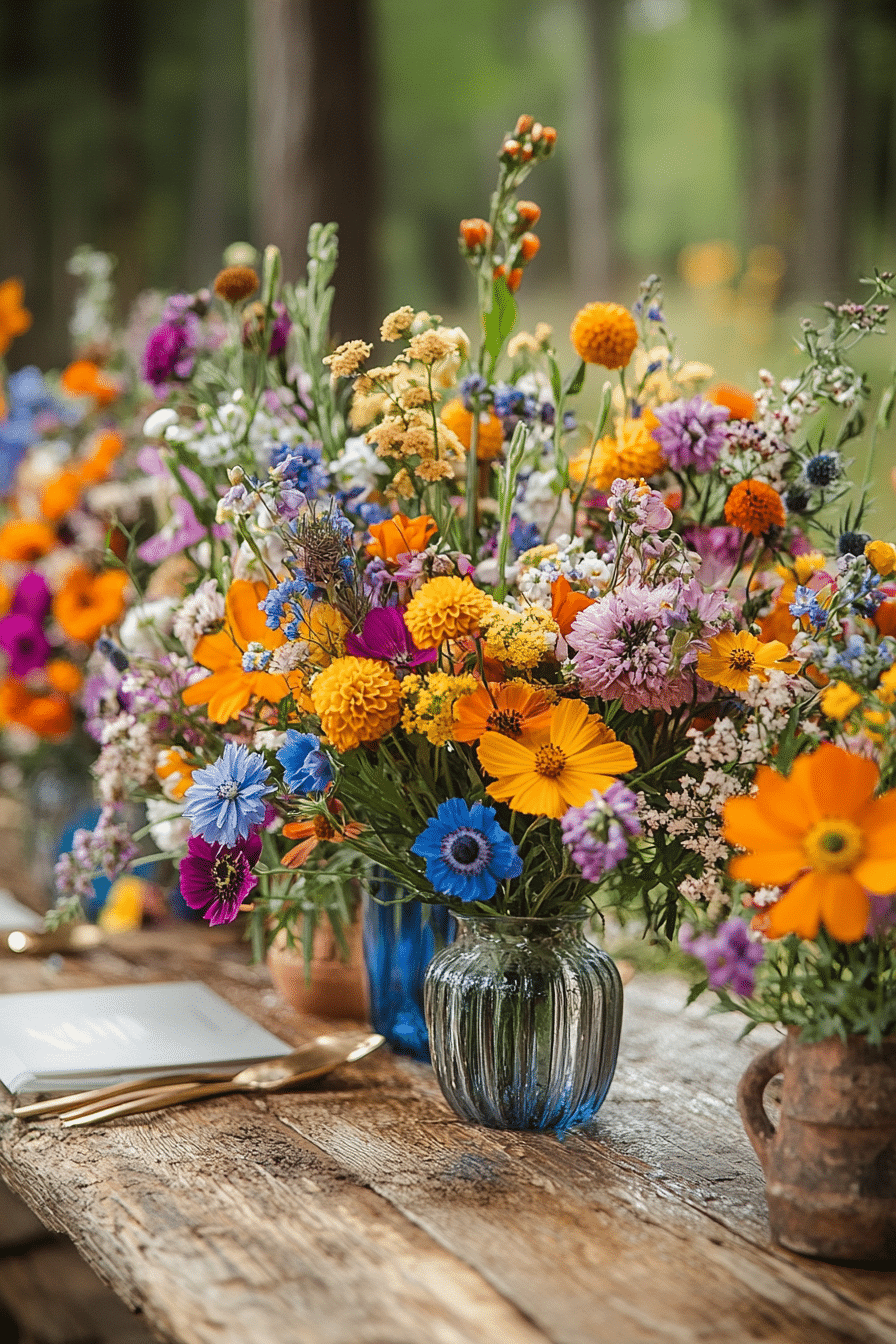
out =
column 235, row 283
column 429, row 704
column 445, row 608
column 323, row 629
column 396, row 324
column 838, row 700
column 459, row 420
column 347, row 358
column 882, row 557
column 755, row 507
column 519, row 639
column 14, row 317
column 733, row 659
column 823, row 834
column 605, row 334
column 557, row 765
column 633, row 455
column 357, row 700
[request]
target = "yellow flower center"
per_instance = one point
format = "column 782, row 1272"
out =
column 834, row 845
column 549, row 761
column 740, row 660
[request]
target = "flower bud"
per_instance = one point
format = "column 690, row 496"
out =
column 475, row 233
column 537, row 132
column 236, row 475
column 528, row 213
column 523, row 124
column 549, row 138
column 529, row 245
column 510, row 149
column 514, row 278
column 525, row 153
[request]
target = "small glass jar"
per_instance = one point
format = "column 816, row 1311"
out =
column 524, row 1018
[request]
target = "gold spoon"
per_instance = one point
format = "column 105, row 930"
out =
column 312, row 1060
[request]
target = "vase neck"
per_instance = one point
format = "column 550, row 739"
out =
column 517, row 928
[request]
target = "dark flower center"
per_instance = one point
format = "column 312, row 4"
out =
column 229, row 789
column 324, row 829
column 467, row 851
column 506, row 721
column 740, row 660
column 227, row 875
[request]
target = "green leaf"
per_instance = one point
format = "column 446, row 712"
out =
column 556, row 380
column 573, row 384
column 500, row 318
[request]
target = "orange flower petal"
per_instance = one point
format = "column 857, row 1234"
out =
column 501, row 755
column 769, row 867
column 248, row 623
column 841, row 783
column 798, row 911
column 844, row 906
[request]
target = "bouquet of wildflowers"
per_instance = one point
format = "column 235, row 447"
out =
column 433, row 619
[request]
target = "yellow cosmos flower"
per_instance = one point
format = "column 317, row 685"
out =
column 839, row 700
column 357, row 700
column 445, row 608
column 821, row 829
column 732, row 660
column 557, row 766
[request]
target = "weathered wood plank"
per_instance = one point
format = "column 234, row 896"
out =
column 365, row 1211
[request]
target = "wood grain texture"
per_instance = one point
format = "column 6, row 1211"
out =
column 364, row 1212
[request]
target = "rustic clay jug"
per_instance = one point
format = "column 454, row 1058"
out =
column 830, row 1166
column 335, row 987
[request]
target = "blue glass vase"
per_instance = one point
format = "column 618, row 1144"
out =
column 524, row 1018
column 400, row 940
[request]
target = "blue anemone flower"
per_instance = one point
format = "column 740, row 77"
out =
column 467, row 853
column 306, row 769
column 224, row 801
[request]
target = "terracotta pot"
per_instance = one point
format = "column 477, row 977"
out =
column 830, row 1166
column 336, row 988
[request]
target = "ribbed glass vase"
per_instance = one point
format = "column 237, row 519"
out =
column 399, row 940
column 524, row 1019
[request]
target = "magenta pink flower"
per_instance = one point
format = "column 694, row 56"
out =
column 24, row 642
column 217, row 878
column 32, row 597
column 384, row 635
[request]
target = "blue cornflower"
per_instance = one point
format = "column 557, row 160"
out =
column 523, row 536
column 655, row 314
column 467, row 853
column 284, row 603
column 224, row 801
column 805, row 603
column 306, row 769
column 474, row 385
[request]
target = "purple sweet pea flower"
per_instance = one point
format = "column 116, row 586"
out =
column 280, row 330
column 188, row 531
column 24, row 642
column 32, row 597
column 170, row 353
column 217, row 878
column 729, row 955
column 384, row 635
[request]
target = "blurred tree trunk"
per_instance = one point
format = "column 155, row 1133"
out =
column 829, row 205
column 594, row 159
column 315, row 148
column 122, row 59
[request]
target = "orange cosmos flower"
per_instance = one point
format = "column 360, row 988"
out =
column 510, row 708
column 490, row 442
column 322, row 828
column 755, row 506
column 175, row 772
column 740, row 403
column 83, row 379
column 21, row 539
column 63, row 676
column 61, row 495
column 50, row 716
column 558, row 765
column 822, row 830
column 229, row 689
column 400, row 536
column 14, row 317
column 107, row 447
column 566, row 603
column 732, row 659
column 86, row 603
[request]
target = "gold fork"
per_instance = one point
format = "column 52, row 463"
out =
column 312, row 1060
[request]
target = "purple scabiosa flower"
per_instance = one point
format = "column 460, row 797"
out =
column 718, row 548
column 624, row 652
column 216, row 879
column 385, row 636
column 690, row 433
column 32, row 597
column 170, row 353
column 225, row 800
column 729, row 955
column 24, row 643
column 597, row 833
column 467, row 853
column 306, row 768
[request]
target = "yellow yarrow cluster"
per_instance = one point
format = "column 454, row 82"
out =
column 445, row 608
column 633, row 454
column 520, row 639
column 357, row 700
column 430, row 701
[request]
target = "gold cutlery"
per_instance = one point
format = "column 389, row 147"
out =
column 312, row 1060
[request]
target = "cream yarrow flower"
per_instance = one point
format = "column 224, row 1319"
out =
column 396, row 324
column 445, row 608
column 347, row 359
column 357, row 700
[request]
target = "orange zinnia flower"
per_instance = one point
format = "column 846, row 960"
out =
column 321, row 828
column 87, row 602
column 558, row 765
column 63, row 676
column 14, row 317
column 49, row 716
column 61, row 495
column 83, row 379
column 21, row 539
column 400, row 536
column 822, row 830
column 566, row 603
column 755, row 507
column 229, row 689
column 508, row 707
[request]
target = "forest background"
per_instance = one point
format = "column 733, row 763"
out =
column 743, row 149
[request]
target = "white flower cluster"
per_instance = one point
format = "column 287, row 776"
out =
column 584, row 569
column 198, row 614
column 358, row 467
column 221, row 431
column 127, row 759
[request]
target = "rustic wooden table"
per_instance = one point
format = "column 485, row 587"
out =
column 363, row 1212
